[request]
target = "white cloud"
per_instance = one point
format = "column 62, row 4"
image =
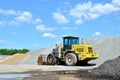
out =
column 49, row 35
column 59, row 18
column 24, row 17
column 89, row 10
column 97, row 34
column 7, row 12
column 93, row 15
column 69, row 28
column 66, row 28
column 118, row 27
column 119, row 17
column 104, row 9
column 6, row 42
column 15, row 23
column 116, row 2
column 79, row 21
column 37, row 20
column 2, row 22
column 80, row 10
column 43, row 28
column 20, row 17
column 36, row 44
column 13, row 33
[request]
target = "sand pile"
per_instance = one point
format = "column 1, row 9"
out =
column 13, row 58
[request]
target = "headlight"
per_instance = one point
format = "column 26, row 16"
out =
column 80, row 55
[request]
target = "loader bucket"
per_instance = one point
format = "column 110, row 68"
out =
column 42, row 60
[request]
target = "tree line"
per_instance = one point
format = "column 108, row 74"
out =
column 12, row 51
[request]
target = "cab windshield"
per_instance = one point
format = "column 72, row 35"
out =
column 69, row 41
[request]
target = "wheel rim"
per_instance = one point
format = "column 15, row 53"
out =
column 69, row 59
column 50, row 59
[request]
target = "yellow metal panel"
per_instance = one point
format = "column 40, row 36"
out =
column 83, row 52
column 88, row 56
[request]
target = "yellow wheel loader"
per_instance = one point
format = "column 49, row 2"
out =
column 71, row 53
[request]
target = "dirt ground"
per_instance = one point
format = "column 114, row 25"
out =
column 52, row 72
column 62, row 75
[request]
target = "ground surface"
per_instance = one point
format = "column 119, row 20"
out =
column 46, row 72
column 61, row 75
column 107, row 47
column 23, row 68
column 66, row 75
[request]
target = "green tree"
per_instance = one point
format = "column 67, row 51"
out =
column 12, row 51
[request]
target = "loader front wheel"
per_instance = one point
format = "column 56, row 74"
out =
column 51, row 60
column 70, row 59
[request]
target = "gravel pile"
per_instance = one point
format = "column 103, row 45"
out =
column 110, row 68
column 33, row 56
column 106, row 47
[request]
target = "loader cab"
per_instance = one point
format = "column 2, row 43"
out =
column 68, row 41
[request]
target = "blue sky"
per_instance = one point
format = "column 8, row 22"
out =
column 34, row 24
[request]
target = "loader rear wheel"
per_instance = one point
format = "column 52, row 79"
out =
column 70, row 59
column 51, row 60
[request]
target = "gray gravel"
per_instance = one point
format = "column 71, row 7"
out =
column 110, row 68
column 106, row 47
column 32, row 57
column 109, row 61
column 108, row 64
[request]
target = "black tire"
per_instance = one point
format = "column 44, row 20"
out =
column 62, row 62
column 51, row 60
column 85, row 63
column 82, row 63
column 70, row 59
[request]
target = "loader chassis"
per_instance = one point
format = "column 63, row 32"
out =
column 72, row 52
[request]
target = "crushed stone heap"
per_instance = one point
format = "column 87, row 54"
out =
column 110, row 68
column 106, row 47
